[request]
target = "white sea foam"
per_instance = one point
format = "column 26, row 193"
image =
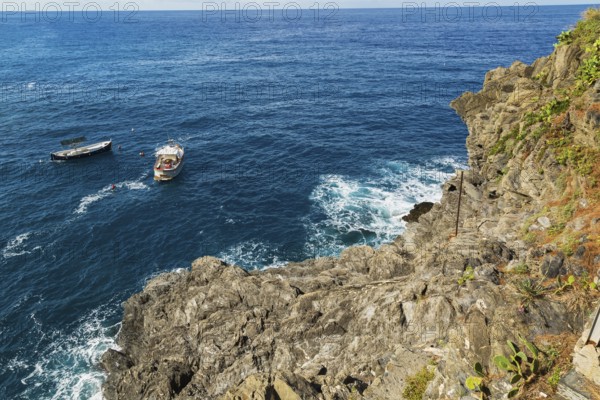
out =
column 88, row 200
column 70, row 363
column 16, row 246
column 369, row 211
column 254, row 254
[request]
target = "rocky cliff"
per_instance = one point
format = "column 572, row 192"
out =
column 412, row 318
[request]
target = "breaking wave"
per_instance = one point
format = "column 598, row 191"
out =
column 348, row 211
column 67, row 365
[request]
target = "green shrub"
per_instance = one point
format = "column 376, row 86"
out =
column 562, row 286
column 540, row 131
column 530, row 238
column 552, row 108
column 585, row 161
column 589, row 71
column 501, row 145
column 565, row 37
column 556, row 229
column 417, row 384
column 531, row 289
column 554, row 378
column 468, row 275
column 478, row 383
column 586, row 35
column 582, row 159
column 586, row 30
column 544, row 116
column 521, row 268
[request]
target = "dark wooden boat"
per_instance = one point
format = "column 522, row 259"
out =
column 83, row 151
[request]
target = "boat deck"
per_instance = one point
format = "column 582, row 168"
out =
column 167, row 162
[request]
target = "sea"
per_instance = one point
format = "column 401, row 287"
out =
column 305, row 131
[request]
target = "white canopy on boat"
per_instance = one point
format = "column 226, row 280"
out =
column 170, row 151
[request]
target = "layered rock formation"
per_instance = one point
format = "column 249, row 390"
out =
column 365, row 324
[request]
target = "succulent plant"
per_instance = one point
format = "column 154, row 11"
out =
column 524, row 368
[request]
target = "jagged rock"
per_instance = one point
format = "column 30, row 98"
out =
column 586, row 358
column 115, row 361
column 544, row 222
column 579, row 253
column 573, row 387
column 388, row 265
column 552, row 266
column 265, row 387
column 418, row 210
column 488, row 272
column 587, row 362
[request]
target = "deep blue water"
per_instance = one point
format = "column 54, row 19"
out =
column 301, row 137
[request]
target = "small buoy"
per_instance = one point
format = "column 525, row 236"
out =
column 113, row 187
column 132, row 130
column 142, row 154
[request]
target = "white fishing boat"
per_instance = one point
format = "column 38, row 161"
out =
column 169, row 162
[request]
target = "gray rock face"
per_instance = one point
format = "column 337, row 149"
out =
column 552, row 266
column 322, row 329
column 586, row 358
column 544, row 222
column 418, row 210
column 115, row 361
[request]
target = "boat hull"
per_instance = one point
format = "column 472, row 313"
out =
column 169, row 162
column 166, row 175
column 73, row 155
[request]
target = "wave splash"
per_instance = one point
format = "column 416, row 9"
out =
column 16, row 246
column 68, row 366
column 254, row 254
column 369, row 211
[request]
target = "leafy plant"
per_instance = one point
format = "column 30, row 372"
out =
column 589, row 69
column 554, row 378
column 478, row 383
column 523, row 368
column 531, row 289
column 562, row 286
column 565, row 37
column 586, row 283
column 468, row 275
column 521, row 268
column 569, row 245
column 582, row 159
column 556, row 229
column 552, row 108
column 530, row 238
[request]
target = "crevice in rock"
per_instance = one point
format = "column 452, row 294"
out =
column 180, row 378
column 355, row 383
